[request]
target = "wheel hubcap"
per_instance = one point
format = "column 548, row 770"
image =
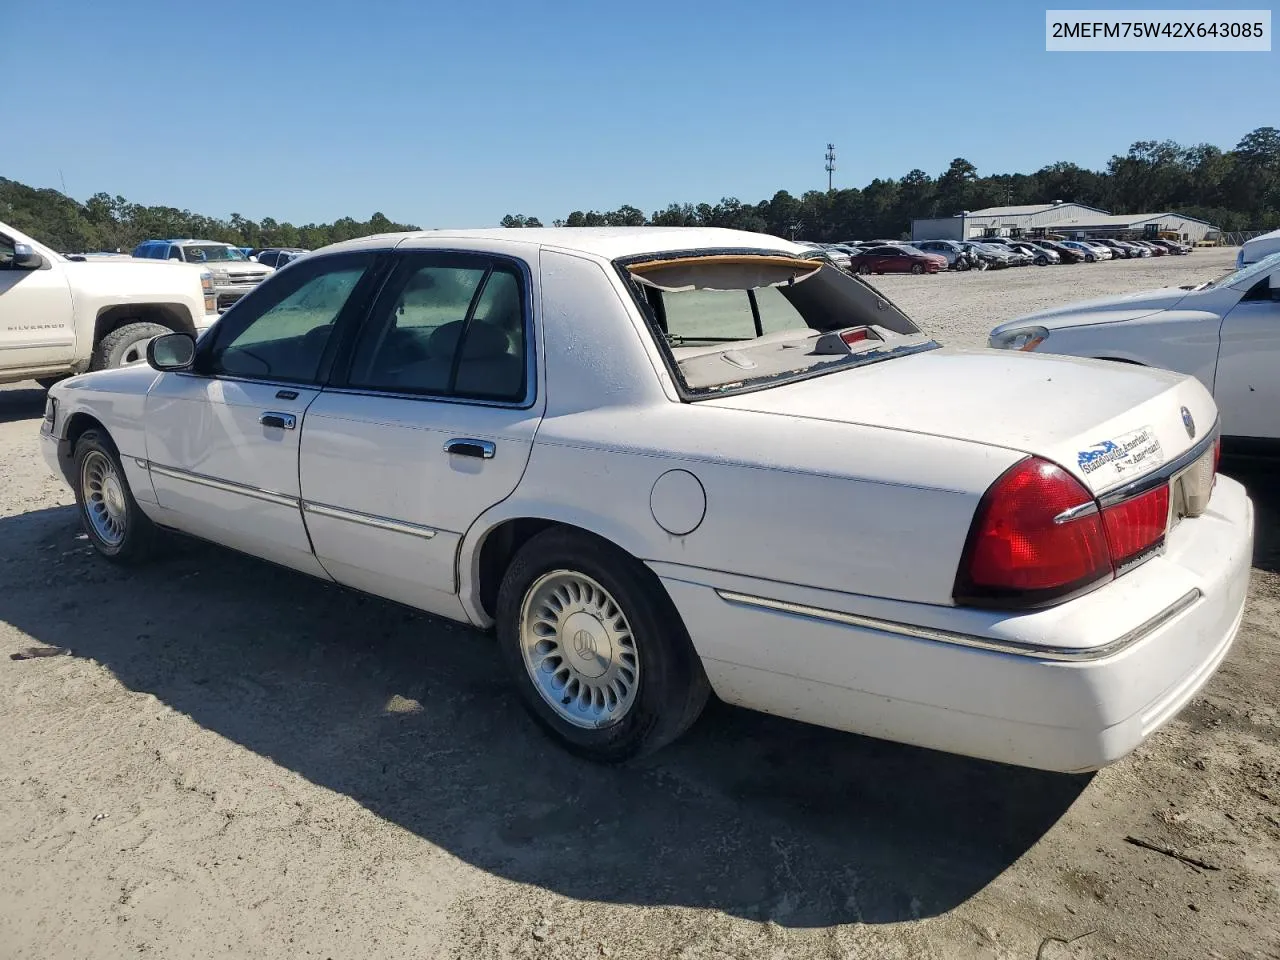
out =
column 104, row 500
column 134, row 352
column 578, row 649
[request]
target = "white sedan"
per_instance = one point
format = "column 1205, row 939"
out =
column 666, row 462
column 1225, row 332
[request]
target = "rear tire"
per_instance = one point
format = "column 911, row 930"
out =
column 125, row 345
column 117, row 528
column 596, row 648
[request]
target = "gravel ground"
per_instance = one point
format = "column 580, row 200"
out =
column 235, row 761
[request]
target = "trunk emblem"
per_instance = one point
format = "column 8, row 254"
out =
column 1189, row 422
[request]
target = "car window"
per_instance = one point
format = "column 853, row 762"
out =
column 449, row 325
column 175, row 253
column 280, row 331
column 6, row 252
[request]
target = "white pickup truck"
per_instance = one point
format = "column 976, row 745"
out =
column 61, row 316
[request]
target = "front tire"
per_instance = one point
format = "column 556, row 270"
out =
column 917, row 268
column 117, row 528
column 1042, row 261
column 596, row 648
column 863, row 269
column 125, row 345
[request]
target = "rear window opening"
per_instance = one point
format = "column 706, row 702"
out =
column 729, row 322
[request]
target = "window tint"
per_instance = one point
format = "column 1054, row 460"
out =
column 281, row 330
column 446, row 326
column 709, row 314
column 175, row 253
column 776, row 311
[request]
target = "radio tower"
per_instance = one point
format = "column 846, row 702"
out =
column 831, row 164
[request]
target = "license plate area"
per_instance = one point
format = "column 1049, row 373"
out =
column 1190, row 489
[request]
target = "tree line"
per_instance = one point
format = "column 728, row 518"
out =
column 1237, row 189
column 104, row 222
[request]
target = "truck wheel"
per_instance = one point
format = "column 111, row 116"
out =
column 596, row 648
column 117, row 528
column 124, row 345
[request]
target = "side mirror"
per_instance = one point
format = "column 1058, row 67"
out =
column 172, row 351
column 25, row 258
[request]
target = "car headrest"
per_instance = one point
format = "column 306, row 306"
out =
column 484, row 341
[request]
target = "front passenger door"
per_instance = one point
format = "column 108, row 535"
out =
column 429, row 423
column 222, row 440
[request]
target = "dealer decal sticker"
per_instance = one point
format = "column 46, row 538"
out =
column 1123, row 456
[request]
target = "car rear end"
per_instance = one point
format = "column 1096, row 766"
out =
column 1101, row 581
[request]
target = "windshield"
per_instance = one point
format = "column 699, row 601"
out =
column 744, row 321
column 211, row 252
column 1247, row 274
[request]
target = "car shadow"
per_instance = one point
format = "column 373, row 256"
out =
column 1262, row 480
column 753, row 815
column 20, row 403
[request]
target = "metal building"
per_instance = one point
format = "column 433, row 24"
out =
column 1066, row 219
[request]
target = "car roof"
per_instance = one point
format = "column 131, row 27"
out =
column 607, row 242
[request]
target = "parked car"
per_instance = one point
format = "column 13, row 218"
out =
column 1065, row 253
column 1225, row 332
column 1251, row 251
column 61, row 316
column 990, row 257
column 234, row 274
column 923, row 561
column 896, row 259
column 277, row 257
column 1087, row 251
column 1040, row 256
column 1175, row 248
column 1155, row 248
column 956, row 256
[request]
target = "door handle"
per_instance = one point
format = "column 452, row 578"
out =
column 283, row 421
column 466, row 447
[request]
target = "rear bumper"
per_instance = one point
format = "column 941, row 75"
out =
column 1144, row 645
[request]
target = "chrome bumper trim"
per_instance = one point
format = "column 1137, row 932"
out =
column 1034, row 651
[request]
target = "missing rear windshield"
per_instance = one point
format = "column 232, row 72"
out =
column 729, row 321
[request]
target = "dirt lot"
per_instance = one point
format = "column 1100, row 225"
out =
column 234, row 760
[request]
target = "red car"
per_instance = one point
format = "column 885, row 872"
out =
column 889, row 259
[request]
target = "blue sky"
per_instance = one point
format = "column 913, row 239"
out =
column 452, row 114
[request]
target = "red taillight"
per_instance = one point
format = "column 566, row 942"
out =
column 1039, row 536
column 1038, row 533
column 1136, row 525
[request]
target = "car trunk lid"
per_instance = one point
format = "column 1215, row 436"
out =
column 1106, row 423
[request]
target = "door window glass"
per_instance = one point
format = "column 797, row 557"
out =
column 280, row 331
column 450, row 326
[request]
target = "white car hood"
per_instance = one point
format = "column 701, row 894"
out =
column 1065, row 409
column 1130, row 306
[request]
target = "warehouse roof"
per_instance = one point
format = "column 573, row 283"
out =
column 1122, row 220
column 1027, row 209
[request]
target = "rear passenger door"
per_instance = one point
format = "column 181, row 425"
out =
column 428, row 421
